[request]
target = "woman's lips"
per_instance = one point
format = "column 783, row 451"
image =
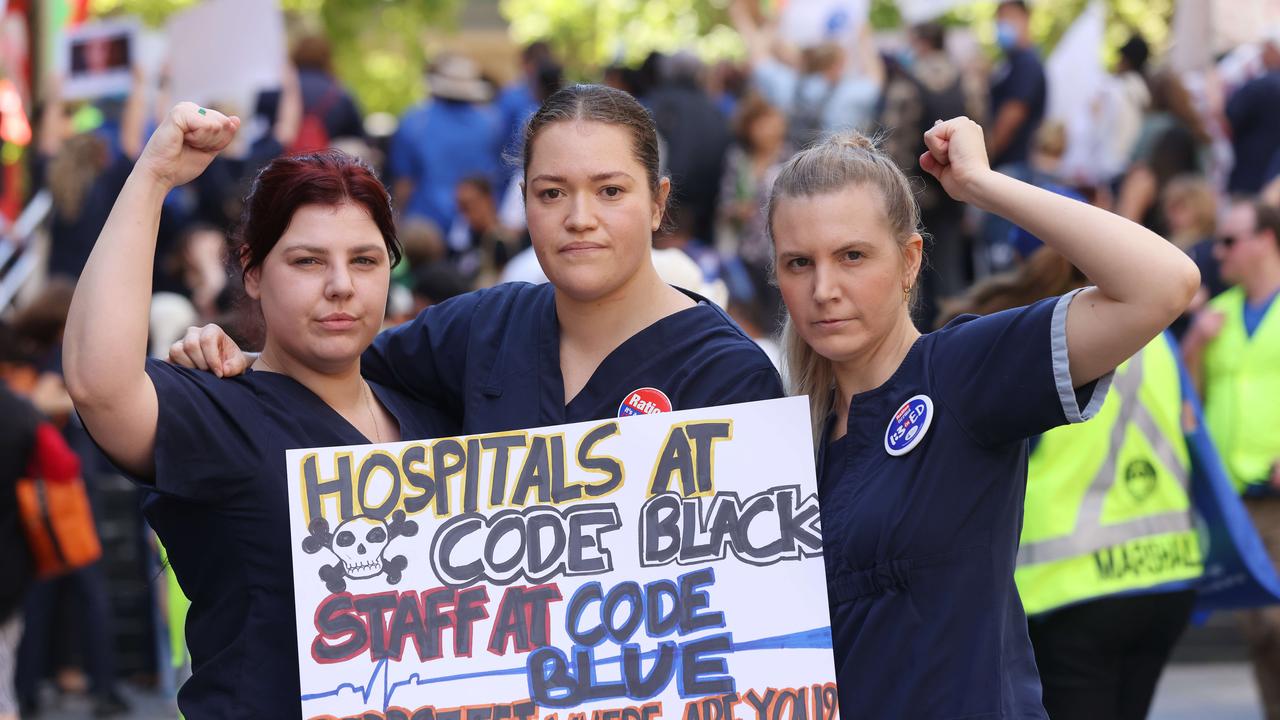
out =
column 338, row 321
column 832, row 324
column 581, row 248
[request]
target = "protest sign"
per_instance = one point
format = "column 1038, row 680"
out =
column 95, row 59
column 663, row 565
column 224, row 52
column 804, row 23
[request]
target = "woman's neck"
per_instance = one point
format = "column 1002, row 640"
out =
column 1263, row 281
column 590, row 330
column 341, row 388
column 873, row 367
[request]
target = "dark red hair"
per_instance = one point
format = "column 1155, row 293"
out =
column 327, row 178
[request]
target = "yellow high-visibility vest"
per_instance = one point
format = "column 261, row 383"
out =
column 1108, row 508
column 1242, row 391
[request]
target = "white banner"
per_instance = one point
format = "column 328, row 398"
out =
column 804, row 23
column 637, row 568
column 224, row 52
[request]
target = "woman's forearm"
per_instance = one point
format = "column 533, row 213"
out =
column 1143, row 281
column 1128, row 263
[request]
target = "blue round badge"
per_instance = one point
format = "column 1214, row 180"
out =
column 908, row 425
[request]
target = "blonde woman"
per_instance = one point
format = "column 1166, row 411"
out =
column 922, row 438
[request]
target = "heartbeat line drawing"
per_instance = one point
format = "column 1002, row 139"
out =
column 815, row 639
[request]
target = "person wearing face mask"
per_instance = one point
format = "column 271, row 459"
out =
column 1017, row 102
column 925, row 85
column 605, row 337
column 318, row 244
column 922, row 456
column 1018, row 88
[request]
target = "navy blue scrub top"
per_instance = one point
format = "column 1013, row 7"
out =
column 920, row 548
column 492, row 358
column 219, row 503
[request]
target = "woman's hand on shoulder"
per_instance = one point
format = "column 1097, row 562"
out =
column 956, row 154
column 185, row 143
column 209, row 348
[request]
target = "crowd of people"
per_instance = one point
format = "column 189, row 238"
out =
column 737, row 183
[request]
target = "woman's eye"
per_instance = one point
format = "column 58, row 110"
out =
column 612, row 191
column 853, row 255
column 550, row 193
column 306, row 261
column 366, row 260
column 797, row 263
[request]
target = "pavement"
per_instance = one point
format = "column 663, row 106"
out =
column 1220, row 691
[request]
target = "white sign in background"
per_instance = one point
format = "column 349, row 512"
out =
column 804, row 23
column 224, row 52
column 466, row 594
column 94, row 59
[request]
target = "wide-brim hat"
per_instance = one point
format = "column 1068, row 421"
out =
column 455, row 77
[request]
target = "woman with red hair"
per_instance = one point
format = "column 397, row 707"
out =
column 317, row 246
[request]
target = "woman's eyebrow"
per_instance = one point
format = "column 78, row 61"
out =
column 597, row 177
column 854, row 245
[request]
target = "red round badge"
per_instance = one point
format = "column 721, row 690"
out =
column 645, row 401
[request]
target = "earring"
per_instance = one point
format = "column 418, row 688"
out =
column 906, row 293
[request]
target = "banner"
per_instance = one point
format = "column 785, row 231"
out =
column 664, row 565
column 804, row 23
column 1238, row 572
column 224, row 52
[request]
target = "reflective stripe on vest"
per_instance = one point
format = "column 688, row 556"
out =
column 1090, row 534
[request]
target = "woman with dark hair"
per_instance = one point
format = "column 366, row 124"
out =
column 605, row 337
column 923, row 438
column 318, row 244
column 760, row 148
column 84, row 172
column 1173, row 142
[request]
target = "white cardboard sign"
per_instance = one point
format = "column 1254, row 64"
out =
column 638, row 568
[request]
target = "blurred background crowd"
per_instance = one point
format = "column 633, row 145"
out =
column 1159, row 111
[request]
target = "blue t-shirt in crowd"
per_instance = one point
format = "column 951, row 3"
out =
column 1253, row 314
column 516, row 103
column 1021, row 239
column 920, row 547
column 438, row 145
column 1020, row 77
column 492, row 359
column 1252, row 111
column 219, row 503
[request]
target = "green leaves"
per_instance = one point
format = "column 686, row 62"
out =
column 591, row 35
column 377, row 44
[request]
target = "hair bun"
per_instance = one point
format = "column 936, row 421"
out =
column 854, row 139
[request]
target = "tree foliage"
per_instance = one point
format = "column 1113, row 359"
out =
column 378, row 47
column 589, row 35
column 1051, row 20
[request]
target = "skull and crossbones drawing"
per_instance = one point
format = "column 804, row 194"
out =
column 360, row 544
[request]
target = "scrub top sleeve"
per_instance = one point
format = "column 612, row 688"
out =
column 205, row 447
column 1006, row 376
column 426, row 358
